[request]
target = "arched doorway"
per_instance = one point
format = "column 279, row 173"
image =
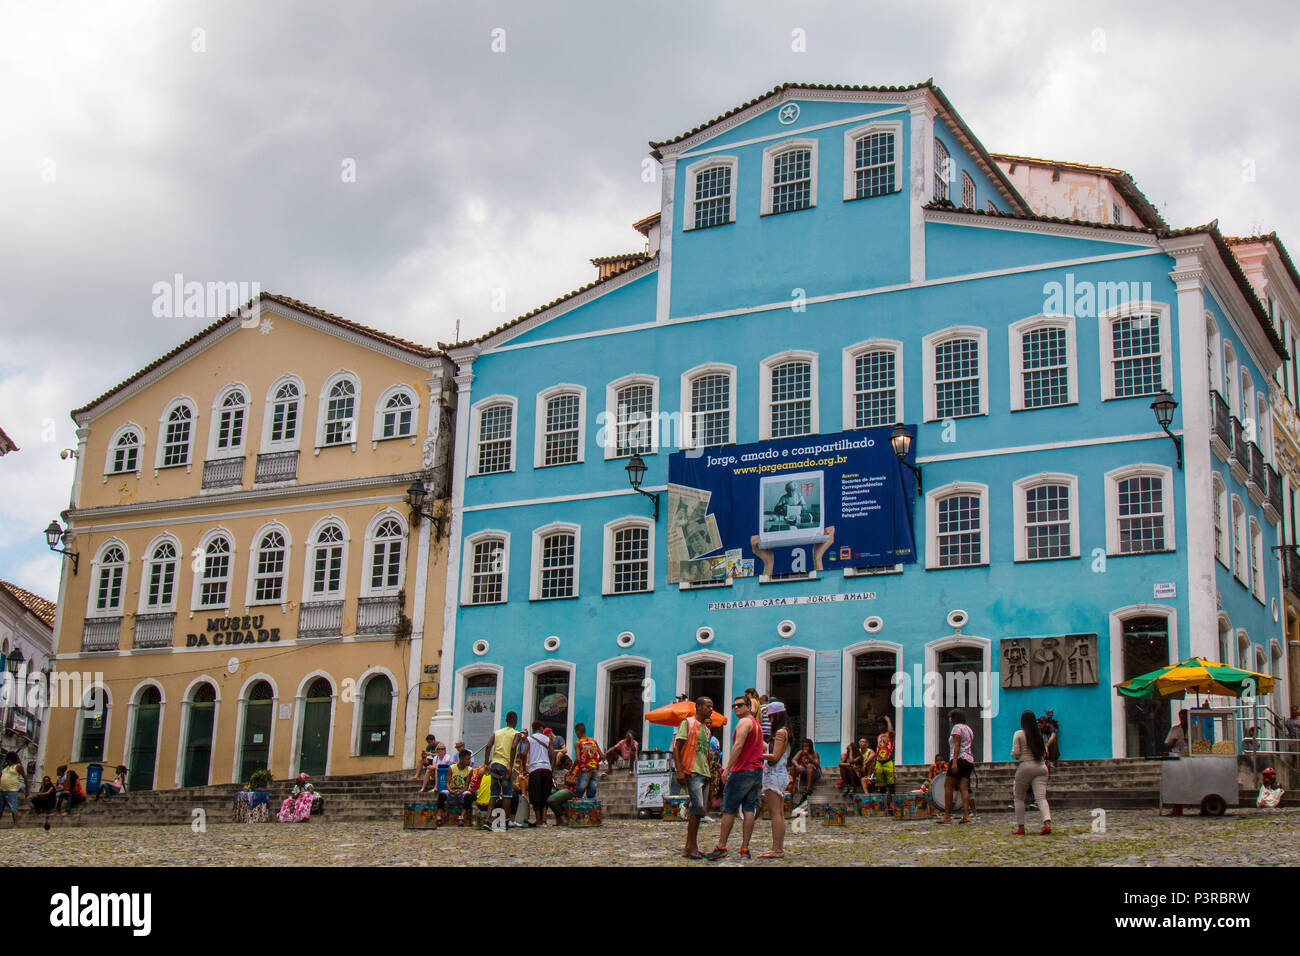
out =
column 144, row 740
column 709, row 679
column 1144, row 647
column 376, row 716
column 626, row 709
column 873, row 688
column 960, row 670
column 479, row 710
column 787, row 681
column 200, row 723
column 317, row 709
column 255, row 748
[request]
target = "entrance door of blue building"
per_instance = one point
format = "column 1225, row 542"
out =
column 709, row 679
column 551, row 700
column 873, row 688
column 626, row 707
column 960, row 669
column 1147, row 722
column 787, row 681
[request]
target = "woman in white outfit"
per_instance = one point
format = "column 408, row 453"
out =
column 776, row 777
column 1027, row 747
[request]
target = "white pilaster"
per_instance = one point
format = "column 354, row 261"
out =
column 667, row 226
column 921, row 175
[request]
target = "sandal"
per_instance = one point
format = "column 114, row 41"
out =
column 769, row 855
column 694, row 855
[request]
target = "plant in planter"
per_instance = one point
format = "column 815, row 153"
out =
column 261, row 780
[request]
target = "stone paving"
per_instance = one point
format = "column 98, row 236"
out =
column 1131, row 838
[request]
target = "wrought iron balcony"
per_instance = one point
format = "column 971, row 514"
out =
column 1239, row 462
column 320, row 619
column 1257, row 481
column 277, row 466
column 1273, row 503
column 223, row 473
column 101, row 633
column 1221, row 427
column 378, row 615
column 154, row 630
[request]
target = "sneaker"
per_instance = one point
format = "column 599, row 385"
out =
column 707, row 820
column 718, row 853
column 745, row 854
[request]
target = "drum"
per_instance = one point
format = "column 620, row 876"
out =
column 937, row 793
column 420, row 816
column 584, row 813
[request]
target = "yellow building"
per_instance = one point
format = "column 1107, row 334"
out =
column 252, row 584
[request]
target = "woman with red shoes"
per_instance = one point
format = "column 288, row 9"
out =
column 1028, row 748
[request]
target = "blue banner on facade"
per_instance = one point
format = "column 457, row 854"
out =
column 790, row 505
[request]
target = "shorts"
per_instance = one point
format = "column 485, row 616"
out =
column 10, row 801
column 960, row 769
column 885, row 774
column 742, row 791
column 501, row 785
column 697, row 787
column 540, row 785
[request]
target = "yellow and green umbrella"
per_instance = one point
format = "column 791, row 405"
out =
column 1195, row 674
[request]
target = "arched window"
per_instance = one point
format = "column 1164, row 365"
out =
column 1256, row 559
column 1231, row 384
column 387, row 541
column 1047, row 517
column 555, row 562
column 174, row 450
column 873, row 383
column 1043, row 372
column 942, row 171
column 200, row 726
column 629, row 556
column 708, row 393
column 160, row 577
column 269, row 569
column 634, row 409
column 94, row 724
column 1139, row 510
column 338, row 411
column 560, row 426
column 789, row 177
column 1221, row 534
column 788, row 395
column 327, row 563
column 124, row 451
column 967, row 191
column 395, row 414
column 110, row 573
column 958, row 518
column 376, row 716
column 213, row 582
column 710, row 193
column 285, row 412
column 1240, row 556
column 1135, row 350
column 229, row 413
column 1212, row 352
column 872, row 160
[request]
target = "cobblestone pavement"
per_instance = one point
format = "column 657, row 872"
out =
column 1131, row 838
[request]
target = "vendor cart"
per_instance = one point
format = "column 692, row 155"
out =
column 1207, row 775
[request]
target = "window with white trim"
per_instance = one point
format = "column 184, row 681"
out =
column 340, row 413
column 709, row 395
column 957, row 523
column 967, row 191
column 1256, row 560
column 1231, row 392
column 387, row 540
column 1220, row 493
column 560, row 426
column 395, row 413
column 1043, row 367
column 710, row 193
column 631, row 416
column 1212, row 352
column 942, row 171
column 177, row 423
column 229, row 413
column 1139, row 510
column 1240, row 557
column 1135, row 350
column 487, row 568
column 555, row 563
column 269, row 563
column 788, row 395
column 789, row 176
column 213, row 583
column 629, row 556
column 955, row 380
column 873, row 380
column 872, row 160
column 160, row 577
column 1047, row 517
column 327, row 563
column 111, row 565
column 492, row 444
column 124, row 451
column 286, row 409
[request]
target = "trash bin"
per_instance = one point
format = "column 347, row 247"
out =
column 94, row 777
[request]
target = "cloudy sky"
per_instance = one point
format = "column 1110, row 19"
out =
column 212, row 139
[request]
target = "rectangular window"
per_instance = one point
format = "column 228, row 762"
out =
column 792, row 180
column 957, row 378
column 873, row 165
column 1046, row 372
column 268, row 583
column 110, row 589
column 959, row 531
column 1135, row 354
column 967, row 191
column 791, row 399
column 486, row 573
column 557, row 566
column 713, row 197
column 1141, row 515
column 562, row 419
column 1047, row 522
column 216, row 575
column 635, row 409
column 284, row 421
column 1218, row 525
column 176, row 446
column 874, row 389
column 385, row 568
column 494, row 434
column 125, row 456
column 327, row 572
column 710, row 411
column 631, row 560
column 230, row 429
column 162, row 580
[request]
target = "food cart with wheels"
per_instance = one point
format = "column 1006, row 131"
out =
column 1207, row 775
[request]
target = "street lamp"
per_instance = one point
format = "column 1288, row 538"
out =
column 901, row 439
column 1164, row 406
column 635, row 472
column 415, row 497
column 53, row 535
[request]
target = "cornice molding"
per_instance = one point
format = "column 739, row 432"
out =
column 957, row 217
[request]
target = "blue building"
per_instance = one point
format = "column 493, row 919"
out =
column 829, row 259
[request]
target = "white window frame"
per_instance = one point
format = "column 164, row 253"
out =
column 254, row 549
column 610, row 425
column 928, row 346
column 1107, row 346
column 1256, row 539
column 322, row 406
column 96, row 569
column 607, row 556
column 109, row 459
column 932, row 499
column 146, row 571
column 765, row 368
column 309, row 567
column 1231, row 383
column 1016, row 333
column 1214, row 349
column 967, row 179
column 467, row 566
column 404, row 554
column 535, row 578
column 539, row 430
column 1264, row 425
column 942, row 166
column 269, row 446
column 687, row 436
column 892, row 127
column 475, row 415
column 1113, row 478
column 196, row 589
column 1240, row 541
column 237, row 450
column 162, row 434
column 849, row 378
column 1021, row 490
column 769, row 166
column 380, row 410
column 692, row 174
column 1219, row 489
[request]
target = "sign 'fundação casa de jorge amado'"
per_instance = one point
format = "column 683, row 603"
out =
column 234, row 630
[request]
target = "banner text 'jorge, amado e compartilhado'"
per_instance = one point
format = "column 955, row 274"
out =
column 790, row 505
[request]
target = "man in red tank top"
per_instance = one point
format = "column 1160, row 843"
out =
column 742, row 778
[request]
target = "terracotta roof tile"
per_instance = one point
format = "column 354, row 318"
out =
column 6, row 443
column 643, row 226
column 1277, row 244
column 38, row 605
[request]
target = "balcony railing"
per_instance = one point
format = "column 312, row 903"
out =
column 1221, row 426
column 22, row 722
column 154, row 630
column 1240, row 460
column 378, row 615
column 1257, row 482
column 320, row 619
column 101, row 634
column 278, row 466
column 1273, row 504
column 223, row 473
column 1291, row 572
